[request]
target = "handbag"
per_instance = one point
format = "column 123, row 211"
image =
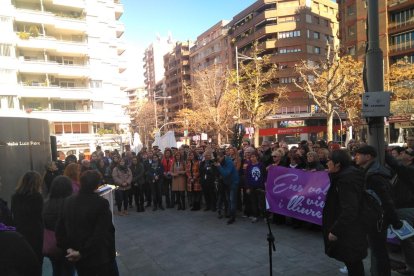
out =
column 49, row 244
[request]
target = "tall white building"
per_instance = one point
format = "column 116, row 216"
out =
column 61, row 60
column 154, row 62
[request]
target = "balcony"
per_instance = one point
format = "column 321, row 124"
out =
column 122, row 65
column 121, row 47
column 74, row 22
column 398, row 4
column 120, row 29
column 119, row 10
column 395, row 27
column 55, row 92
column 268, row 44
column 52, row 43
column 402, row 48
column 80, row 4
column 50, row 67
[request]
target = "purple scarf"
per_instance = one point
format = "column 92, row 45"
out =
column 4, row 227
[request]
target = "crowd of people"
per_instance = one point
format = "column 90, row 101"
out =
column 227, row 181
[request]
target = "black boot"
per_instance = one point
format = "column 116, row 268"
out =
column 182, row 197
column 178, row 201
column 231, row 220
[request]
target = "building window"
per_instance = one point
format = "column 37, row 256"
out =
column 95, row 84
column 351, row 30
column 308, row 18
column 350, row 10
column 403, row 41
column 316, row 35
column 403, row 17
column 317, row 50
column 316, row 20
column 289, row 50
column 7, row 102
column 351, row 51
column 5, row 50
column 97, row 105
column 288, row 34
column 285, row 80
column 285, row 19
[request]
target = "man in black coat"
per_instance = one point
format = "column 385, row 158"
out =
column 403, row 196
column 377, row 178
column 85, row 230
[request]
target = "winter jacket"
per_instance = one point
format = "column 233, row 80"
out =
column 27, row 217
column 138, row 174
column 340, row 216
column 86, row 226
column 377, row 178
column 402, row 190
column 192, row 169
column 122, row 176
column 229, row 173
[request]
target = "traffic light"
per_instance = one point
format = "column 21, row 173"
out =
column 313, row 108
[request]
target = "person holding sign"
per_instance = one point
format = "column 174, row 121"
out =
column 344, row 236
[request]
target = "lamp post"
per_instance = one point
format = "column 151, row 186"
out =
column 241, row 57
column 340, row 125
column 155, row 107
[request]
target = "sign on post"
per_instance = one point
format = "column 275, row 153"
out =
column 376, row 104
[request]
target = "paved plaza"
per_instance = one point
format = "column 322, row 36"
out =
column 175, row 242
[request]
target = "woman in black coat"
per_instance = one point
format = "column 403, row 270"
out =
column 60, row 189
column 85, row 230
column 26, row 208
column 344, row 237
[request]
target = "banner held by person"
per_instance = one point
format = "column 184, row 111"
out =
column 297, row 193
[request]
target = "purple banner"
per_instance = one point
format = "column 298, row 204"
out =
column 297, row 193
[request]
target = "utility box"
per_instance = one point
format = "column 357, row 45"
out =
column 376, row 104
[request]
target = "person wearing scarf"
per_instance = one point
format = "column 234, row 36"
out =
column 122, row 176
column 193, row 180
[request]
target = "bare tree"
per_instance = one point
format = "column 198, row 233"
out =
column 257, row 97
column 331, row 83
column 211, row 102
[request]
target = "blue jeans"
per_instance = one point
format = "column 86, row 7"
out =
column 231, row 196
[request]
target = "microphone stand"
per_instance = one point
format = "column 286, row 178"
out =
column 271, row 242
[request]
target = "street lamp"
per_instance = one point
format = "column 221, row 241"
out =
column 155, row 107
column 241, row 57
column 340, row 124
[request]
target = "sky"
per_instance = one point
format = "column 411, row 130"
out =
column 184, row 19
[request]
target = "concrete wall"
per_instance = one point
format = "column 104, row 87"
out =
column 24, row 145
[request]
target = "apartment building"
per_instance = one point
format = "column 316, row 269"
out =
column 136, row 98
column 289, row 31
column 177, row 76
column 396, row 38
column 62, row 61
column 212, row 48
column 154, row 62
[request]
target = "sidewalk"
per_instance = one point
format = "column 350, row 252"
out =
column 175, row 242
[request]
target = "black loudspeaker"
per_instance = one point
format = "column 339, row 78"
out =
column 53, row 147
